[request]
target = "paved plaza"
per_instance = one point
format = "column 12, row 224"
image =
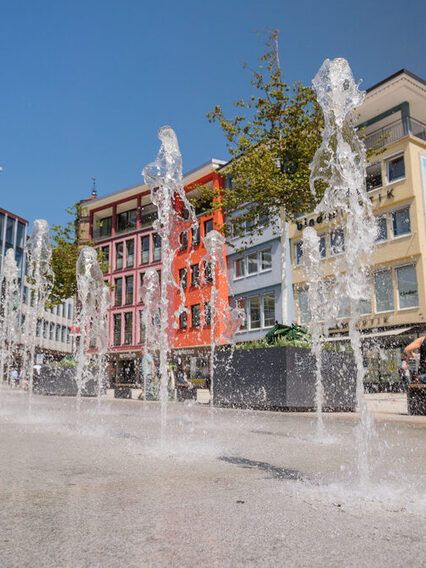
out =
column 227, row 488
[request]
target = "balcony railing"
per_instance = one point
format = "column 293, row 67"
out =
column 395, row 131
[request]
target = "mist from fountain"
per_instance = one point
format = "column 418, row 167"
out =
column 9, row 314
column 340, row 162
column 40, row 278
column 150, row 297
column 94, row 300
column 165, row 179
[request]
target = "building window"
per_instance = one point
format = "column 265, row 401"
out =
column 382, row 229
column 63, row 334
column 126, row 220
column 374, row 176
column 105, row 258
column 156, row 241
column 303, row 306
column 195, row 315
column 129, row 290
column 104, row 227
column 128, row 328
column 337, row 242
column 207, row 314
column 117, row 329
column 118, row 294
column 344, row 308
column 130, row 253
column 208, row 272
column 401, row 222
column 298, row 252
column 265, row 259
column 183, row 240
column 407, row 287
column 383, row 291
column 322, row 246
column 45, row 329
column 25, row 295
column 269, row 309
column 183, row 320
column 145, row 249
column 38, row 328
column 195, row 236
column 119, row 251
column 242, row 303
column 69, row 311
column 208, row 226
column 195, row 275
column 58, row 332
column 68, row 335
column 254, row 312
column 183, row 277
column 252, row 264
column 51, row 331
column 395, row 168
column 142, row 328
column 239, row 268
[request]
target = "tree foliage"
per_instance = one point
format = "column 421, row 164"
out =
column 272, row 140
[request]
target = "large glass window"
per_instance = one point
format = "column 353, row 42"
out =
column 265, row 259
column 20, row 235
column 156, row 255
column 252, row 264
column 395, row 168
column 105, row 258
column 254, row 313
column 337, row 242
column 344, row 308
column 129, row 290
column 119, row 252
column 383, row 291
column 407, row 287
column 145, row 249
column 365, row 307
column 183, row 240
column 128, row 328
column 239, row 267
column 401, row 222
column 208, row 272
column 195, row 275
column 126, row 220
column 374, row 176
column 242, row 303
column 207, row 313
column 142, row 328
column 382, row 229
column 104, row 227
column 2, row 217
column 195, row 236
column 10, row 225
column 322, row 246
column 117, row 329
column 183, row 320
column 195, row 315
column 118, row 282
column 269, row 309
column 130, row 253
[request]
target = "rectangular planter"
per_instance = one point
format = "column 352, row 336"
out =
column 283, row 378
column 60, row 382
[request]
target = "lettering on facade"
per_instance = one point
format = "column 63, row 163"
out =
column 380, row 197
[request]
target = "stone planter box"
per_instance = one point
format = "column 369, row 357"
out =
column 60, row 382
column 283, row 378
column 416, row 399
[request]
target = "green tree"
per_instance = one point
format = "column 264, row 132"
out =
column 271, row 140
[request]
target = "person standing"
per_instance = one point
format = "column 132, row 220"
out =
column 418, row 344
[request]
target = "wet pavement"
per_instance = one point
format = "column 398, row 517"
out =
column 227, row 488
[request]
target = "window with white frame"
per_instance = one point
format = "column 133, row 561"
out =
column 374, row 176
column 242, row 303
column 406, row 279
column 268, row 309
column 252, row 263
column 254, row 311
column 401, row 222
column 298, row 252
column 395, row 168
column 383, row 291
column 303, row 306
column 265, row 260
column 260, row 311
column 239, row 267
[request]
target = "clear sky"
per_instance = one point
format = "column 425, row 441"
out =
column 86, row 84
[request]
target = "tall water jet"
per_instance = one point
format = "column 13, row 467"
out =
column 150, row 297
column 40, row 279
column 311, row 261
column 214, row 244
column 9, row 313
column 93, row 298
column 165, row 180
column 236, row 320
column 340, row 162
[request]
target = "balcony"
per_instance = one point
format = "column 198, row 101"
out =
column 395, row 131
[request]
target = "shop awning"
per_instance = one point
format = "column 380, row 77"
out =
column 398, row 331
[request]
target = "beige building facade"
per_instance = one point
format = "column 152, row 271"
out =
column 392, row 119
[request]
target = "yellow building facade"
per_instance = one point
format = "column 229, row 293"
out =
column 392, row 119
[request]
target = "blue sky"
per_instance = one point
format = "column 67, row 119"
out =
column 86, row 85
